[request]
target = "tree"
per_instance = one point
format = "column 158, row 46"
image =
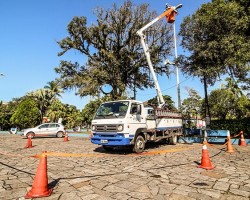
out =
column 115, row 55
column 221, row 103
column 56, row 110
column 169, row 103
column 26, row 114
column 44, row 99
column 72, row 117
column 217, row 37
column 54, row 87
column 90, row 109
column 225, row 103
column 6, row 111
column 5, row 115
column 192, row 105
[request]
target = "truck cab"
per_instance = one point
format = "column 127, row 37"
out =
column 117, row 122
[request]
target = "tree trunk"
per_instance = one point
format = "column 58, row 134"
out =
column 207, row 111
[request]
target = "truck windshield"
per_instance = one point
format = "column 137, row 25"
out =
column 112, row 110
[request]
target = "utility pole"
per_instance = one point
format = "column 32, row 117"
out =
column 177, row 72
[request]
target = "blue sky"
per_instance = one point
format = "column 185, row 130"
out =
column 28, row 48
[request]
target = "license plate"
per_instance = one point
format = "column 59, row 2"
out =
column 104, row 141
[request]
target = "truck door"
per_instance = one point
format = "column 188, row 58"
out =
column 136, row 117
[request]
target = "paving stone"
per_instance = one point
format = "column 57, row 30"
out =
column 240, row 192
column 70, row 195
column 221, row 186
column 175, row 196
column 233, row 197
column 212, row 193
column 121, row 196
column 114, row 189
column 234, row 186
column 142, row 195
column 198, row 196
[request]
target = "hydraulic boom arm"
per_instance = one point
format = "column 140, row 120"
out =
column 169, row 13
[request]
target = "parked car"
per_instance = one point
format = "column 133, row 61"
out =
column 46, row 129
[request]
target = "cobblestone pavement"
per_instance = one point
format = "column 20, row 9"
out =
column 78, row 169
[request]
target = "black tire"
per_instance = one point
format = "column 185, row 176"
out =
column 107, row 148
column 30, row 134
column 59, row 134
column 139, row 145
column 173, row 140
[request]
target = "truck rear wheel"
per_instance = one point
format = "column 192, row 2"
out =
column 173, row 140
column 139, row 145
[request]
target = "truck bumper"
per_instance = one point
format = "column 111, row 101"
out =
column 110, row 140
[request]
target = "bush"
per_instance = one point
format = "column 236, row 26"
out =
column 234, row 125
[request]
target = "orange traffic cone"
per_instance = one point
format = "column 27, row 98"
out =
column 29, row 142
column 242, row 140
column 66, row 138
column 229, row 145
column 40, row 183
column 205, row 160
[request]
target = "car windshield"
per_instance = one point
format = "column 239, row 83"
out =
column 112, row 110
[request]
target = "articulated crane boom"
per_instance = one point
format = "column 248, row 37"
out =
column 169, row 13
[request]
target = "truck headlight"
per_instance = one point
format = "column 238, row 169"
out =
column 93, row 128
column 120, row 127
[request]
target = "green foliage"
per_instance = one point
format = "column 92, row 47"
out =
column 229, row 102
column 221, row 103
column 169, row 103
column 6, row 111
column 192, row 105
column 44, row 98
column 26, row 114
column 217, row 36
column 90, row 109
column 72, row 117
column 234, row 125
column 56, row 110
column 115, row 54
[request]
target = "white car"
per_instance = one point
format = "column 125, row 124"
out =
column 45, row 130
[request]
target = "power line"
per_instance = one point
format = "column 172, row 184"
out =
column 164, row 89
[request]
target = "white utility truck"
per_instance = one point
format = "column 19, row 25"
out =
column 130, row 122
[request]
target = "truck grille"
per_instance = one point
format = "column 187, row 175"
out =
column 106, row 128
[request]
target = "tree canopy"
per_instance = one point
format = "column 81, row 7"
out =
column 169, row 103
column 113, row 49
column 26, row 114
column 217, row 36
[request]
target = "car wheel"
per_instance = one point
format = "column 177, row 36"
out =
column 139, row 145
column 59, row 134
column 30, row 134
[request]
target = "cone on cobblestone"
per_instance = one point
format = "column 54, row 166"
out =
column 229, row 145
column 29, row 142
column 242, row 140
column 40, row 183
column 205, row 160
column 66, row 138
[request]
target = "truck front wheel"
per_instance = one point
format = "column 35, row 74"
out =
column 139, row 145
